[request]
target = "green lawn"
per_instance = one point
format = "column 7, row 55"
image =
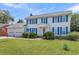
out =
column 37, row 47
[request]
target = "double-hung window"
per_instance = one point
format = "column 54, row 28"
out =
column 59, row 18
column 44, row 20
column 33, row 30
column 33, row 21
column 53, row 29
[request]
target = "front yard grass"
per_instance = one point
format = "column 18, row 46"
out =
column 37, row 47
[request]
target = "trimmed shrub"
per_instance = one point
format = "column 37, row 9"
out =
column 74, row 36
column 48, row 35
column 65, row 47
column 25, row 35
column 32, row 35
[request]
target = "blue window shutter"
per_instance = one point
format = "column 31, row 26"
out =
column 27, row 21
column 30, row 21
column 36, row 20
column 46, row 19
column 53, row 19
column 66, row 30
column 30, row 29
column 33, row 29
column 66, row 18
column 36, row 30
column 58, row 19
column 60, row 30
column 61, row 18
column 52, row 29
column 41, row 20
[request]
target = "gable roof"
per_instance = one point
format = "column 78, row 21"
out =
column 50, row 14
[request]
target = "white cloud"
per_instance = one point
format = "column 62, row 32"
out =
column 30, row 9
column 24, row 7
column 34, row 10
column 74, row 8
column 40, row 10
column 13, row 5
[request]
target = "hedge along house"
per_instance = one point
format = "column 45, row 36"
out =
column 58, row 22
column 16, row 30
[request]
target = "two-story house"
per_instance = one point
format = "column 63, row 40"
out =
column 58, row 22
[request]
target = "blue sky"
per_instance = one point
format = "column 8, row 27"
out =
column 20, row 11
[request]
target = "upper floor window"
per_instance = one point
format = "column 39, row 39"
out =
column 63, row 19
column 44, row 20
column 59, row 18
column 56, row 19
column 32, row 21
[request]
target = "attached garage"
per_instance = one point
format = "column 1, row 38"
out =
column 16, row 30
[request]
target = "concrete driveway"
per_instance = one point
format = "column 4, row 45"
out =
column 4, row 37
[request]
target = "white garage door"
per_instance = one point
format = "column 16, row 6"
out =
column 15, row 34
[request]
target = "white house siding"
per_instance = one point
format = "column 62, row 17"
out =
column 16, row 29
column 50, row 24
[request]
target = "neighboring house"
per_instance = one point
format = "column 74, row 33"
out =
column 58, row 22
column 3, row 29
column 16, row 30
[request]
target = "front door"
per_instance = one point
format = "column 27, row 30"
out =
column 41, row 31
